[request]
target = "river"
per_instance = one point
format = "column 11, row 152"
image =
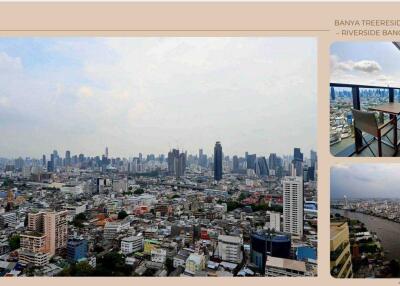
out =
column 387, row 231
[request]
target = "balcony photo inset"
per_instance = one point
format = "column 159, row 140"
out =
column 365, row 221
column 364, row 99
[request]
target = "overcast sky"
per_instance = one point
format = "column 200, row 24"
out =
column 370, row 63
column 152, row 94
column 365, row 181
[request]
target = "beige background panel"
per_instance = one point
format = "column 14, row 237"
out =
column 211, row 19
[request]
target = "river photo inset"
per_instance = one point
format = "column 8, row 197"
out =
column 365, row 221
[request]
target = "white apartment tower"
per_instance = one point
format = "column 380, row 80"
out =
column 293, row 205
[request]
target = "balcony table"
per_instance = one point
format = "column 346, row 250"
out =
column 393, row 109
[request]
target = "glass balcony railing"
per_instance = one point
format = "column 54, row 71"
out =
column 344, row 97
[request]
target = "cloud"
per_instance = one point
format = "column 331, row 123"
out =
column 145, row 94
column 368, row 72
column 367, row 66
column 85, row 91
column 8, row 63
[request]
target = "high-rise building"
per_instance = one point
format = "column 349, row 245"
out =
column 297, row 163
column 258, row 251
column 272, row 161
column 68, row 158
column 176, row 163
column 297, row 155
column 293, row 205
column 261, row 167
column 53, row 225
column 218, row 161
column 313, row 158
column 106, row 153
column 333, row 97
column 341, row 266
column 251, row 161
column 44, row 160
column 235, row 160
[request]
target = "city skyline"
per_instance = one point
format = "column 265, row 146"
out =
column 151, row 95
column 62, row 154
column 364, row 181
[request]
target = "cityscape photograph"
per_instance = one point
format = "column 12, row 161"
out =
column 365, row 221
column 170, row 157
column 364, row 99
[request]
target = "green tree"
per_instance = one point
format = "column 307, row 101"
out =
column 14, row 242
column 138, row 191
column 122, row 214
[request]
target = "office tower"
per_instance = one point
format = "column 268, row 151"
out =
column 217, row 161
column 44, row 160
column 313, row 158
column 311, row 173
column 77, row 249
column 81, row 158
column 50, row 166
column 258, row 251
column 305, row 174
column 297, row 155
column 19, row 164
column 176, row 163
column 297, row 163
column 293, row 205
column 261, row 167
column 333, row 97
column 235, row 164
column 251, row 161
column 181, row 164
column 202, row 159
column 341, row 266
column 272, row 161
column 230, row 248
column 68, row 158
column 106, row 153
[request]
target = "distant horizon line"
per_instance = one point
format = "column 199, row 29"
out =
column 62, row 154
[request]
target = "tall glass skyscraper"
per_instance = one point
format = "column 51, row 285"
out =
column 218, row 161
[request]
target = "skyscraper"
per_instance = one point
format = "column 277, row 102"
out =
column 68, row 158
column 297, row 162
column 261, row 167
column 176, row 163
column 44, row 160
column 293, row 205
column 235, row 164
column 106, row 154
column 251, row 161
column 333, row 97
column 218, row 161
column 313, row 158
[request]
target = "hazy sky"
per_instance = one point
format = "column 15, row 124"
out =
column 370, row 63
column 152, row 94
column 365, row 181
